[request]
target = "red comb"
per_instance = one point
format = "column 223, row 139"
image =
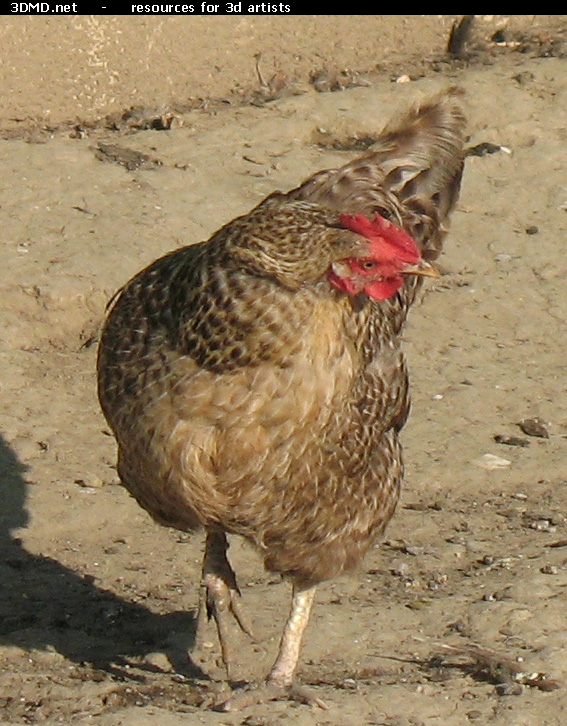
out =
column 383, row 228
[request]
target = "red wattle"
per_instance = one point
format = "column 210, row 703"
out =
column 383, row 289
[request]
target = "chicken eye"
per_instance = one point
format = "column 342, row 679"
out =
column 369, row 265
column 384, row 213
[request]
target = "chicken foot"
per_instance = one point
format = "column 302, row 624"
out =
column 220, row 598
column 279, row 683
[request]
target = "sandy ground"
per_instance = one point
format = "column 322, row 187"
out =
column 459, row 616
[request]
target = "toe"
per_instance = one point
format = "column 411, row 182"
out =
column 269, row 691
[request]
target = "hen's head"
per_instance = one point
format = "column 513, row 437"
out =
column 299, row 243
column 392, row 254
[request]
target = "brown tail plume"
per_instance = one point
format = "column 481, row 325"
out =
column 413, row 172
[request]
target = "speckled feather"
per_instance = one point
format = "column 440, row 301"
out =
column 248, row 395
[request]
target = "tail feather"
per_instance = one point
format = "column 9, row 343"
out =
column 412, row 173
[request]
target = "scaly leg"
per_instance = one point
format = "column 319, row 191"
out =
column 219, row 597
column 288, row 655
column 280, row 680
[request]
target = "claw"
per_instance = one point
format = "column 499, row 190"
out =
column 220, row 599
column 240, row 617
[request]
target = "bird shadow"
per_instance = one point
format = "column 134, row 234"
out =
column 45, row 605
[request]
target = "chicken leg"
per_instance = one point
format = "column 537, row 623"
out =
column 280, row 679
column 220, row 598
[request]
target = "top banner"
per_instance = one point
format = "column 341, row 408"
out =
column 242, row 7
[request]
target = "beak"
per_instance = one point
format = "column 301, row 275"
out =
column 422, row 268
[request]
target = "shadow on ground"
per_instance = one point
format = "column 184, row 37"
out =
column 45, row 605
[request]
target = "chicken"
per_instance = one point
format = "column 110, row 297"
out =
column 255, row 382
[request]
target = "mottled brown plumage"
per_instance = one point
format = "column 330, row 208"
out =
column 249, row 395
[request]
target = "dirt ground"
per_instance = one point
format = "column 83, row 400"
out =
column 459, row 615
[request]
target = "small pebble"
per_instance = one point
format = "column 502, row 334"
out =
column 414, row 550
column 158, row 660
column 401, row 570
column 549, row 570
column 542, row 525
column 509, row 689
column 90, row 481
column 492, row 462
column 474, row 715
column 484, row 148
column 254, row 721
column 534, row 427
column 511, row 440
